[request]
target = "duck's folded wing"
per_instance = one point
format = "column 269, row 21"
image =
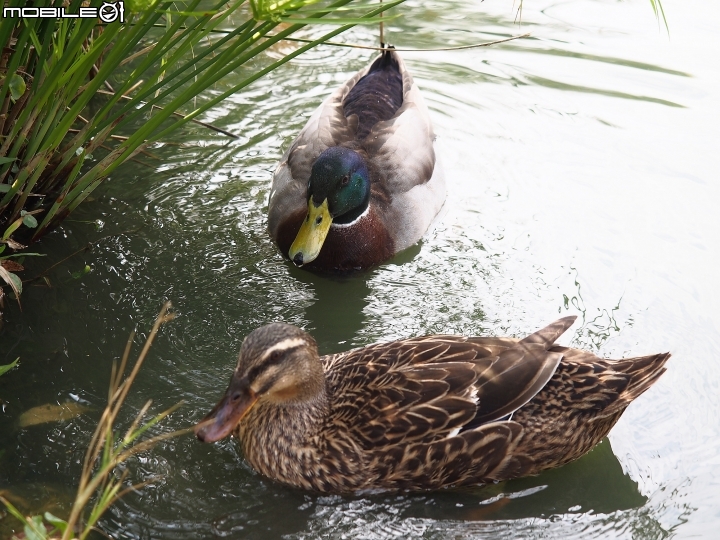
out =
column 402, row 148
column 520, row 370
column 385, row 395
column 402, row 151
column 432, row 388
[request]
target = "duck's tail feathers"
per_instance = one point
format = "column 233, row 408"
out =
column 388, row 58
column 643, row 371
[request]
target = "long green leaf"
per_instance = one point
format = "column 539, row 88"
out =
column 659, row 11
column 4, row 369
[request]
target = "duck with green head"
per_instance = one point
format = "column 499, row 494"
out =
column 361, row 182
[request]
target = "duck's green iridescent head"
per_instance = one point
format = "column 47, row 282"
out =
column 338, row 192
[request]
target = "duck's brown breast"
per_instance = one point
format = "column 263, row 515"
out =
column 361, row 245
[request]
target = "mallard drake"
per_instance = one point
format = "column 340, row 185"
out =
column 361, row 181
column 421, row 413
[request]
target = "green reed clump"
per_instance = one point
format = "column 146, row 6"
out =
column 99, row 488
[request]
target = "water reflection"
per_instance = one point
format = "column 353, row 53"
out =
column 337, row 313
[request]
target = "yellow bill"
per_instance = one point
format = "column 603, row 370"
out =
column 312, row 234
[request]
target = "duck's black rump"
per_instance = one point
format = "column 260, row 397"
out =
column 377, row 96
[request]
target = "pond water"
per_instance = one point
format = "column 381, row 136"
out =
column 582, row 176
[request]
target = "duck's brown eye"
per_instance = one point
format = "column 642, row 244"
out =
column 345, row 180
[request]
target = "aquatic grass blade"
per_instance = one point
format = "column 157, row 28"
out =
column 4, row 369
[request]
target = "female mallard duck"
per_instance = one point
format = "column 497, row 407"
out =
column 360, row 183
column 420, row 413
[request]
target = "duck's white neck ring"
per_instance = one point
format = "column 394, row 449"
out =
column 354, row 221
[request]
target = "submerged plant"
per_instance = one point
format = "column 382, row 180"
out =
column 4, row 369
column 99, row 488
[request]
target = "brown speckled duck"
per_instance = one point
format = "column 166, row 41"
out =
column 420, row 413
column 361, row 182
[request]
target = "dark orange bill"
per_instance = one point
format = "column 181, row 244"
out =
column 226, row 415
